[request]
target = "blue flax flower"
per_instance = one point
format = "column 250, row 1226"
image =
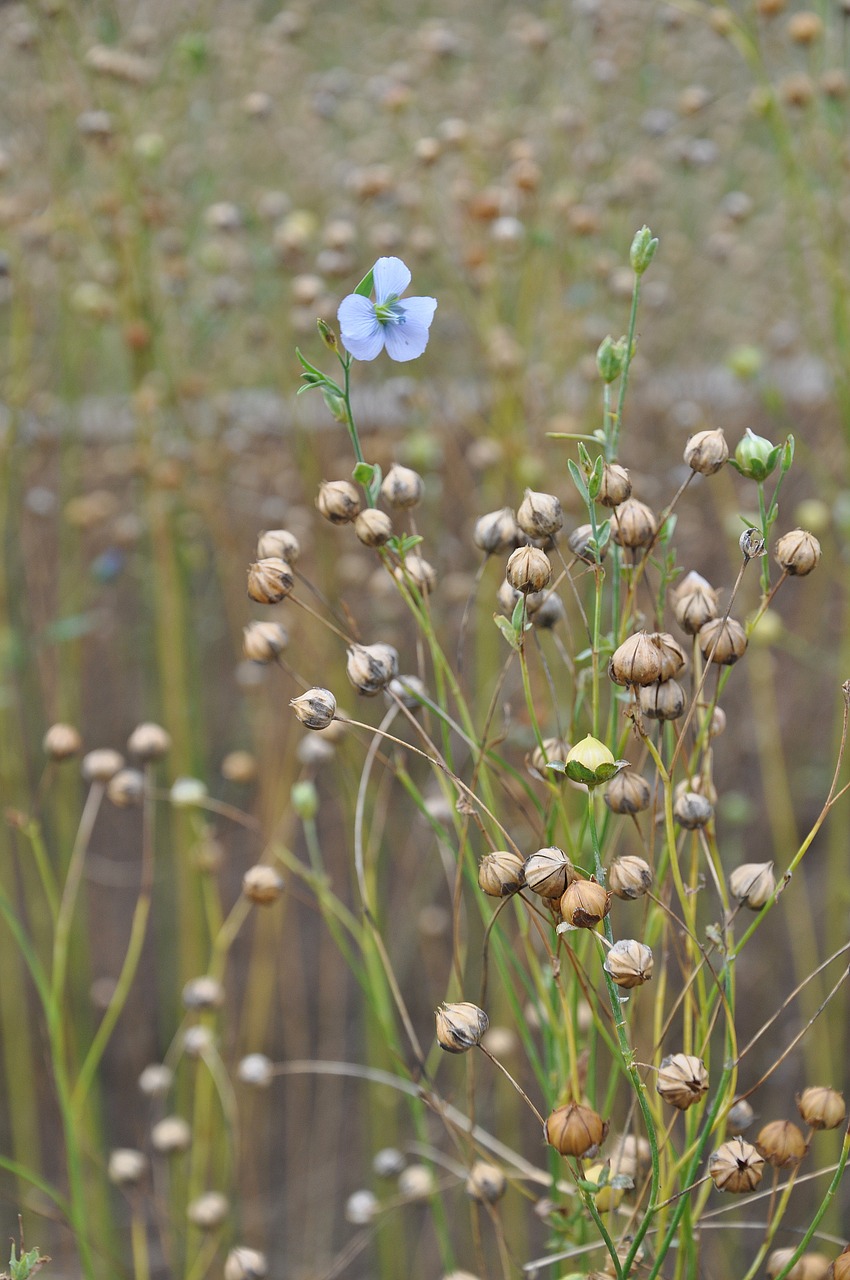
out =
column 400, row 325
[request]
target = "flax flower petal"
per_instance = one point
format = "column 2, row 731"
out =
column 361, row 333
column 391, row 277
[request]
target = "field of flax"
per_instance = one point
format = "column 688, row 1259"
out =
column 470, row 897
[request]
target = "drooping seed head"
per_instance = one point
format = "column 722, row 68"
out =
column 736, row 1166
column 682, row 1080
column 460, row 1026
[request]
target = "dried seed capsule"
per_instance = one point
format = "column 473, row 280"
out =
column 269, row 581
column 633, row 524
column 239, row 766
column 840, row 1268
column 416, row 1182
column 497, row 532
column 629, row 963
column 262, row 885
column 338, row 501
column 279, row 544
column 264, row 641
column 500, row 874
column 809, row 1266
column 126, row 1167
column 736, row 1166
column 753, row 884
column 752, row 544
column 629, row 877
column 585, row 903
column 694, row 603
column 256, row 1069
column 207, row 1212
column 507, row 596
column 637, row 661
column 692, row 810
column 575, row 1130
column 149, row 742
column 486, row 1183
column 388, row 1162
column 245, row 1264
column 781, row 1143
column 548, row 872
column 410, row 691
column 316, row 708
column 579, row 544
column 374, row 528
column 673, row 660
column 417, row 571
column 616, row 485
column 545, row 609
column 740, row 1117
column 62, row 742
column 629, row 1155
column 821, row 1107
column 555, row 750
column 371, row 667
column 539, row 514
column 682, row 1080
column 156, row 1080
column 798, row 552
column 171, row 1135
column 203, row 993
column 402, row 487
column 126, row 788
column 628, row 792
column 101, row 765
column 528, row 569
column 662, row 701
column 460, row 1026
column 362, row 1207
column 706, row 452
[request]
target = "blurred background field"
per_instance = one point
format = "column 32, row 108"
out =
column 184, row 188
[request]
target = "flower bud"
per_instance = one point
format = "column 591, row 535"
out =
column 416, row 572
column 736, row 1166
column 753, row 884
column 539, row 514
column 338, row 501
column 402, row 487
column 610, row 357
column 629, row 877
column 256, row 1069
column 245, row 1264
column 269, row 581
column 497, row 532
column 706, row 452
column 740, row 1117
column 662, row 701
column 798, row 552
column 62, row 742
column 637, row 661
column 371, row 667
column 756, row 457
column 374, row 528
column 591, row 763
column 643, row 250
column 575, row 1130
column 264, row 641
column 278, row 544
column 781, row 1143
column 208, row 1212
column 615, row 486
column 262, row 885
column 486, row 1183
column 126, row 1167
column 149, row 742
column 682, row 1080
column 692, row 810
column 528, row 569
column 694, row 603
column 126, row 788
column 629, row 963
column 633, row 524
column 821, row 1107
column 548, row 872
column 628, row 793
column 203, row 993
column 724, row 642
column 316, row 708
column 460, row 1026
column 585, row 903
column 171, row 1135
column 579, row 543
column 101, row 765
column 500, row 874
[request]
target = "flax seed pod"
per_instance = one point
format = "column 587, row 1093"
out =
column 501, row 873
column 725, row 641
column 682, row 1080
column 628, row 793
column 486, row 1183
column 736, row 1166
column 740, row 1117
column 673, row 660
column 809, row 1266
column 149, row 742
column 460, row 1026
column 126, row 788
column 633, row 524
column 374, row 528
column 126, row 1167
column 101, row 764
column 371, row 667
column 662, row 701
column 548, row 872
column 637, row 661
column 528, row 569
column 264, row 641
column 208, row 1211
column 798, row 552
column 706, row 452
column 278, row 544
column 554, row 751
column 171, row 1136
column 629, row 963
column 262, row 885
column 579, row 544
column 338, row 501
column 781, row 1143
column 753, row 884
column 629, row 877
column 315, row 709
column 245, row 1264
column 62, row 742
column 615, row 486
column 821, row 1107
column 585, row 903
column 840, row 1268
column 539, row 514
column 630, row 1155
column 692, row 810
column 402, row 487
column 417, row 571
column 256, row 1069
column 575, row 1130
column 497, row 532
column 269, row 581
column 694, row 603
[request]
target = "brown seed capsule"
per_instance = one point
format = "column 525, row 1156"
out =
column 417, row 572
column 805, row 27
column 706, row 452
column 239, row 766
column 753, row 884
column 736, row 1166
column 633, row 524
column 694, row 603
column 402, row 487
column 637, row 661
column 548, row 872
column 629, row 877
column 262, row 885
column 101, row 765
column 528, row 569
column 740, row 1117
column 269, row 581
column 616, row 485
column 460, row 1026
column 809, row 1266
column 692, row 810
column 264, row 641
column 724, row 642
column 149, row 742
column 579, row 543
column 497, row 532
column 555, row 750
column 628, row 792
column 316, row 708
column 501, row 873
column 371, row 667
column 208, row 1211
column 781, row 1143
column 629, row 963
column 374, row 528
column 798, row 552
column 203, row 993
column 126, row 1167
column 821, row 1107
column 673, row 660
column 126, row 788
column 662, row 701
column 278, row 544
column 539, row 514
column 545, row 609
column 486, row 1183
column 171, row 1135
column 585, row 903
column 840, row 1268
column 245, row 1264
column 575, row 1130
column 338, row 501
column 629, row 1155
column 62, row 742
column 682, row 1080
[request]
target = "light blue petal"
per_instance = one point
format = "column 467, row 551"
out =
column 361, row 334
column 391, row 278
column 408, row 338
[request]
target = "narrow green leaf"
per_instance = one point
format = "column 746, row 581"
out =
column 578, row 481
column 507, row 631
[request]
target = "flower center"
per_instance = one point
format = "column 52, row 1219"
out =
column 389, row 311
